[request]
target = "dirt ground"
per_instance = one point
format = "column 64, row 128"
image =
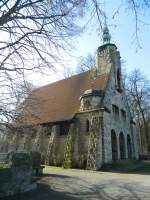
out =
column 60, row 184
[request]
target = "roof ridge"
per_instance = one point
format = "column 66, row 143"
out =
column 64, row 79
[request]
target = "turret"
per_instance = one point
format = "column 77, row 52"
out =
column 108, row 57
column 90, row 99
column 106, row 35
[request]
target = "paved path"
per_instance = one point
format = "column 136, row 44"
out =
column 58, row 184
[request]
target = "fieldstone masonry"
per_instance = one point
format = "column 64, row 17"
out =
column 104, row 130
column 17, row 178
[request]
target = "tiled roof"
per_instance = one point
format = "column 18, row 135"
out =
column 59, row 101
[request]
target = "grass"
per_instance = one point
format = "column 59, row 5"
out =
column 61, row 169
column 128, row 166
column 121, row 166
column 4, row 165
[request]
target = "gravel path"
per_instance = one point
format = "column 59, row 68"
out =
column 59, row 184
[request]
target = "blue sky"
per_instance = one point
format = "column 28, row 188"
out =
column 122, row 29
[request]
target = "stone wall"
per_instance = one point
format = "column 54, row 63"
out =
column 58, row 150
column 89, row 143
column 18, row 177
column 38, row 139
column 97, row 140
column 117, row 123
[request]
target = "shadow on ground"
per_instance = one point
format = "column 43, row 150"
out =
column 43, row 192
column 68, row 187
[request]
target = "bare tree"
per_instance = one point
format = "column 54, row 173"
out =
column 33, row 36
column 12, row 101
column 86, row 63
column 30, row 27
column 139, row 9
column 138, row 90
column 33, row 33
column 35, row 29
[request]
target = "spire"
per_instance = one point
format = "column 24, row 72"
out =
column 106, row 34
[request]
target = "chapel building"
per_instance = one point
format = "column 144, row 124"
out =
column 86, row 118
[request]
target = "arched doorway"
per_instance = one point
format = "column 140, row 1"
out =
column 122, row 146
column 114, row 145
column 129, row 146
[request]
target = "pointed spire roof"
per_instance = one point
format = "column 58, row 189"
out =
column 106, row 34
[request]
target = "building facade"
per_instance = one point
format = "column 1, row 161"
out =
column 83, row 120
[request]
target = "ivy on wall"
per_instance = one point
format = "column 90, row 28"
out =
column 68, row 150
column 49, row 154
column 55, row 159
column 93, row 141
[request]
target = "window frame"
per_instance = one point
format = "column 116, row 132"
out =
column 115, row 110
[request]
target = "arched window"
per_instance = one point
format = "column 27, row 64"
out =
column 114, row 145
column 87, row 126
column 129, row 146
column 122, row 146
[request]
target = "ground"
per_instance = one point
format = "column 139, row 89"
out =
column 61, row 184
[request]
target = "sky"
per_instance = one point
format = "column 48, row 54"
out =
column 122, row 29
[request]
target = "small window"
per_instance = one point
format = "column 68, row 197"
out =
column 115, row 110
column 119, row 80
column 63, row 128
column 87, row 126
column 123, row 114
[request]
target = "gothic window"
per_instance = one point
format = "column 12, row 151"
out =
column 114, row 145
column 122, row 146
column 87, row 126
column 115, row 110
column 63, row 128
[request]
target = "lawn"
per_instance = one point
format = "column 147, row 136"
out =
column 128, row 166
column 4, row 165
column 120, row 166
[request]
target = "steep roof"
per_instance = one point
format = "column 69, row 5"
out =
column 59, row 101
